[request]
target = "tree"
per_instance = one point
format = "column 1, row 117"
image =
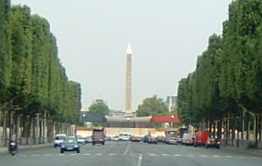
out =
column 152, row 106
column 100, row 108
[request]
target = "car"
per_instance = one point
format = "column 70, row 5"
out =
column 59, row 139
column 201, row 138
column 124, row 137
column 70, row 144
column 188, row 139
column 160, row 139
column 98, row 136
column 152, row 140
column 115, row 138
column 88, row 140
column 213, row 142
column 135, row 138
column 81, row 140
column 171, row 140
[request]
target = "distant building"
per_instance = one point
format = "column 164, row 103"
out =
column 171, row 103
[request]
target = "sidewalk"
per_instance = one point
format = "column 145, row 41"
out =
column 24, row 147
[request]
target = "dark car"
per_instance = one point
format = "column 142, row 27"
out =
column 213, row 142
column 70, row 144
column 98, row 136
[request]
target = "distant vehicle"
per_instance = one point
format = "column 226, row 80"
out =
column 98, row 136
column 115, row 138
column 150, row 139
column 81, row 140
column 187, row 139
column 201, row 138
column 171, row 137
column 135, row 138
column 213, row 142
column 12, row 147
column 70, row 144
column 59, row 139
column 88, row 140
column 161, row 139
column 124, row 137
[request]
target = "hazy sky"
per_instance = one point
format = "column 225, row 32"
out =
column 166, row 37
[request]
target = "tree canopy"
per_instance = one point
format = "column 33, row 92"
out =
column 152, row 106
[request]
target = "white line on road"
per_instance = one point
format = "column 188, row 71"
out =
column 87, row 154
column 140, row 158
column 152, row 154
column 98, row 154
column 127, row 149
column 164, row 154
column 112, row 154
column 203, row 155
column 177, row 155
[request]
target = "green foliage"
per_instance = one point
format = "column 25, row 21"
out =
column 32, row 79
column 228, row 74
column 152, row 106
column 100, row 108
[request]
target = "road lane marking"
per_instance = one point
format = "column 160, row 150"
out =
column 164, row 154
column 87, row 154
column 126, row 149
column 177, row 155
column 112, row 154
column 152, row 154
column 228, row 156
column 216, row 156
column 140, row 158
column 203, row 156
column 191, row 155
column 98, row 154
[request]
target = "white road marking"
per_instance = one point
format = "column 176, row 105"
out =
column 112, row 154
column 177, row 155
column 152, row 154
column 140, row 158
column 126, row 149
column 98, row 154
column 190, row 155
column 203, row 156
column 164, row 154
column 87, row 154
column 216, row 156
column 228, row 156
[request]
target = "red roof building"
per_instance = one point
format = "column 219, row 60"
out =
column 165, row 119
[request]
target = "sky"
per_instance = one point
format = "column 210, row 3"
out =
column 166, row 37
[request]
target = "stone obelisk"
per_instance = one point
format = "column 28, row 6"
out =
column 128, row 90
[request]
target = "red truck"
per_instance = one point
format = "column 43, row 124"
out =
column 201, row 138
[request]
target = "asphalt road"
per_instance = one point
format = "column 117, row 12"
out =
column 130, row 154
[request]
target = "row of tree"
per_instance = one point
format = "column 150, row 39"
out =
column 225, row 90
column 32, row 79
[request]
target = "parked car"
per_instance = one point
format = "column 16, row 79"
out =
column 187, row 139
column 88, row 140
column 135, row 138
column 213, row 142
column 201, row 138
column 160, row 139
column 70, row 144
column 171, row 140
column 59, row 139
column 98, row 136
column 81, row 140
column 115, row 138
column 124, row 137
column 151, row 139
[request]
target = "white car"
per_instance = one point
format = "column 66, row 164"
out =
column 81, row 140
column 59, row 139
column 187, row 139
column 124, row 137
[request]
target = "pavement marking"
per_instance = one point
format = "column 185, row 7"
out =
column 204, row 156
column 47, row 155
column 228, row 156
column 112, row 154
column 98, row 154
column 177, row 155
column 216, row 156
column 164, row 154
column 87, row 154
column 140, row 158
column 73, row 154
column 152, row 154
column 126, row 149
column 190, row 155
